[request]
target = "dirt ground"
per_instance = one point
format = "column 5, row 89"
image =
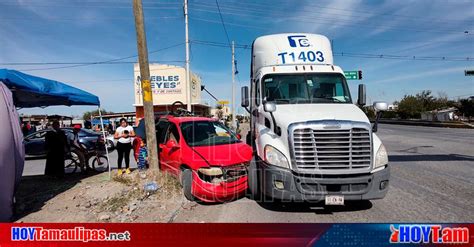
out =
column 96, row 198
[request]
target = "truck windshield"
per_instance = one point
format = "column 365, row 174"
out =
column 207, row 133
column 306, row 88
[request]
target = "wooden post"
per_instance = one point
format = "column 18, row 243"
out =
column 146, row 85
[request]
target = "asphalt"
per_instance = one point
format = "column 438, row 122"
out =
column 432, row 180
column 35, row 166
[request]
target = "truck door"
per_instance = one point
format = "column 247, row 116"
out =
column 254, row 104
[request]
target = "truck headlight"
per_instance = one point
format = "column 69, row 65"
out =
column 381, row 158
column 275, row 157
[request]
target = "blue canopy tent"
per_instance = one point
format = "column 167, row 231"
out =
column 32, row 91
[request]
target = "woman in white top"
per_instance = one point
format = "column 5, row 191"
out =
column 124, row 135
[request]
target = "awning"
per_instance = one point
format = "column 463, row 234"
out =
column 33, row 91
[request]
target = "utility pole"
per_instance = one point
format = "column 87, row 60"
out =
column 188, row 72
column 145, row 83
column 234, row 125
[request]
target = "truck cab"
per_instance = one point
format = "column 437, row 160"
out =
column 310, row 140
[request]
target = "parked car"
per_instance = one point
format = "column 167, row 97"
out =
column 111, row 142
column 35, row 144
column 209, row 159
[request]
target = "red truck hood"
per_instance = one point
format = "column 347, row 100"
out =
column 227, row 154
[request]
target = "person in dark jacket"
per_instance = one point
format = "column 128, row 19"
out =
column 56, row 144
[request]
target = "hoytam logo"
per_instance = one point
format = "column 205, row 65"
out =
column 429, row 234
column 75, row 234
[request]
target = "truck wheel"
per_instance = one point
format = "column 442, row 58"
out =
column 253, row 181
column 187, row 182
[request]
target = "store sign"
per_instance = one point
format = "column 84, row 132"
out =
column 162, row 84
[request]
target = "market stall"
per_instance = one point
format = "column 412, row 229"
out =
column 19, row 90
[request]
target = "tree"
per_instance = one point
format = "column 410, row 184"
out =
column 412, row 106
column 466, row 107
column 87, row 115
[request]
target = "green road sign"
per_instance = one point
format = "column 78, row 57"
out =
column 351, row 75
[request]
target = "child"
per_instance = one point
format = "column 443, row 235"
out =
column 142, row 162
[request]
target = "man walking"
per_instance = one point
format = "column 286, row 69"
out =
column 56, row 144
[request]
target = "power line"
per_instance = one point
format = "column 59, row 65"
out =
column 240, row 11
column 351, row 54
column 223, row 24
column 400, row 57
column 374, row 14
column 224, row 45
column 103, row 62
column 228, row 23
column 82, row 5
column 85, row 19
column 81, row 63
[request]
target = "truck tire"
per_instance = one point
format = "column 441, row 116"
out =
column 254, row 181
column 187, row 182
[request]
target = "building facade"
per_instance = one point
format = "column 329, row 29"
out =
column 168, row 85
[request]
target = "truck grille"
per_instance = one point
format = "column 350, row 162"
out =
column 339, row 149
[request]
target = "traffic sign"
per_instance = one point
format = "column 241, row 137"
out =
column 352, row 75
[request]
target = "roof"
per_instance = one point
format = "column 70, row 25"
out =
column 451, row 109
column 140, row 129
column 189, row 119
column 186, row 119
column 33, row 91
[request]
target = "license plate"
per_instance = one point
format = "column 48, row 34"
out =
column 334, row 200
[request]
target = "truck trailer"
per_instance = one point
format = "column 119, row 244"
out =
column 310, row 141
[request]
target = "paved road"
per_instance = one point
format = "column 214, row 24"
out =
column 36, row 166
column 432, row 180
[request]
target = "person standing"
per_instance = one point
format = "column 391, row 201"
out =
column 56, row 145
column 124, row 135
column 142, row 161
column 24, row 129
column 74, row 143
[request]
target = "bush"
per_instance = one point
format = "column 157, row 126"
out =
column 412, row 106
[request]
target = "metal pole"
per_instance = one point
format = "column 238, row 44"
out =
column 234, row 125
column 146, row 86
column 105, row 141
column 188, row 72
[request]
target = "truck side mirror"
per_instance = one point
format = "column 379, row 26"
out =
column 269, row 106
column 361, row 100
column 380, row 106
column 245, row 97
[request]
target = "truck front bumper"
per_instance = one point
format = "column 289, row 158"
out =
column 286, row 185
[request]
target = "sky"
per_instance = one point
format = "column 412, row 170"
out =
column 84, row 31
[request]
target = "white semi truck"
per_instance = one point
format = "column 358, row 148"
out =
column 310, row 141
